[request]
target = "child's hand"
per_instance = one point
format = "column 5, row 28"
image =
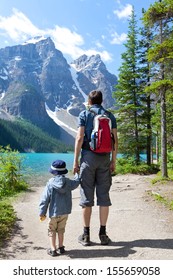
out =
column 42, row 218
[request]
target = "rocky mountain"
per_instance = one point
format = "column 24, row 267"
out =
column 37, row 84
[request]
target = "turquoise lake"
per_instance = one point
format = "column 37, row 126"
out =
column 40, row 162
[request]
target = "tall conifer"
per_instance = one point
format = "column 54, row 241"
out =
column 127, row 97
column 146, row 98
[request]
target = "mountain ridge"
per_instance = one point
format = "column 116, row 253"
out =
column 35, row 78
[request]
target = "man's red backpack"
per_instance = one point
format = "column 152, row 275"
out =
column 102, row 140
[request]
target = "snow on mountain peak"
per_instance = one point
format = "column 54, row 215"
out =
column 35, row 40
column 74, row 71
column 85, row 62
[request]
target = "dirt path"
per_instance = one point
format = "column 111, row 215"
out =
column 138, row 227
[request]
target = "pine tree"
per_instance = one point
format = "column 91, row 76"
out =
column 127, row 97
column 145, row 79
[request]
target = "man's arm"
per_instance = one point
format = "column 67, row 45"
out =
column 114, row 151
column 78, row 146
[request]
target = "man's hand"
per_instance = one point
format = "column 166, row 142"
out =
column 78, row 146
column 113, row 166
column 76, row 168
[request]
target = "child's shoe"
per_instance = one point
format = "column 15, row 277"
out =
column 61, row 250
column 52, row 253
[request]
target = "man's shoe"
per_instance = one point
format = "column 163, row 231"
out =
column 52, row 253
column 84, row 240
column 104, row 239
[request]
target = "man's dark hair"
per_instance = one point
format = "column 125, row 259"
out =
column 95, row 97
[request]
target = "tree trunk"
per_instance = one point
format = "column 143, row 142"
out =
column 137, row 140
column 157, row 147
column 149, row 132
column 163, row 115
column 163, row 134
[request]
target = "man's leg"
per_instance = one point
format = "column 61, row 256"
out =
column 84, row 239
column 87, row 173
column 104, row 212
column 86, row 216
column 103, row 184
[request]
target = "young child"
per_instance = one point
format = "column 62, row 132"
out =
column 57, row 196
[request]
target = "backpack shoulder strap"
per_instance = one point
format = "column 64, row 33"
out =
column 87, row 112
column 107, row 113
column 100, row 111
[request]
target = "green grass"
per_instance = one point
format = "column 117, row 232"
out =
column 163, row 181
column 7, row 220
column 125, row 166
column 163, row 200
column 160, row 198
column 11, row 184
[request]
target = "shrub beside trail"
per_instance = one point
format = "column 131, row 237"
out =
column 11, row 183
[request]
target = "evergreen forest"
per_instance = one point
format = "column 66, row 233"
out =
column 23, row 136
column 144, row 91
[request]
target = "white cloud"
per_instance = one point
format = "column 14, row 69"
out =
column 99, row 45
column 124, row 12
column 71, row 43
column 106, row 56
column 65, row 40
column 19, row 28
column 118, row 39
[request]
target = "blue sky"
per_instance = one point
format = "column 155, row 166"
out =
column 76, row 26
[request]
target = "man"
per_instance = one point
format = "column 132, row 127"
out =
column 95, row 169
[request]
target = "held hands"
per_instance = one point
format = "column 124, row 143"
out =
column 42, row 218
column 76, row 168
